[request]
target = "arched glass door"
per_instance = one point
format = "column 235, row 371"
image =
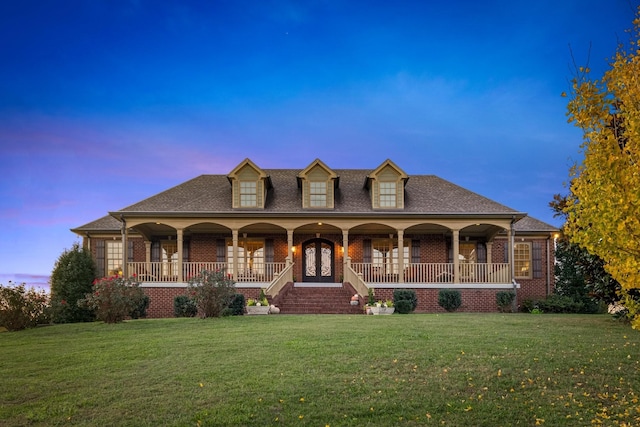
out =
column 317, row 261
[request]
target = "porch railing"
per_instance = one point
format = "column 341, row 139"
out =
column 433, row 273
column 168, row 271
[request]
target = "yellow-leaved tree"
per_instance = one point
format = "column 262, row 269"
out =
column 603, row 213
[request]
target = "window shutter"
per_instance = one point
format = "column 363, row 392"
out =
column 99, row 244
column 537, row 260
column 221, row 250
column 482, row 253
column 268, row 250
column 415, row 251
column 330, row 189
column 449, row 250
column 185, row 250
column 130, row 251
column 366, row 250
column 506, row 252
column 399, row 195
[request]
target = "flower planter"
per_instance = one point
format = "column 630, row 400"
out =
column 258, row 309
column 382, row 310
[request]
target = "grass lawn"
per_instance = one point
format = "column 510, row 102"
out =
column 416, row 370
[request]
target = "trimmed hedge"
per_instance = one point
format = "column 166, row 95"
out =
column 449, row 299
column 405, row 300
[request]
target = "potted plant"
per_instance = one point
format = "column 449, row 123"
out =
column 259, row 305
column 382, row 307
column 371, row 302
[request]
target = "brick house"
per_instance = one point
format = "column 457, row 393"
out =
column 319, row 234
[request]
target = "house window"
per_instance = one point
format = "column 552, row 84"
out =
column 114, row 257
column 318, row 194
column 384, row 255
column 388, row 195
column 248, row 194
column 522, row 260
column 250, row 257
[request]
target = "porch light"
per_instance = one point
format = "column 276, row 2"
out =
column 319, row 223
column 293, row 249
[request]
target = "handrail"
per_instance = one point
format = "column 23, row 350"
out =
column 356, row 281
column 280, row 280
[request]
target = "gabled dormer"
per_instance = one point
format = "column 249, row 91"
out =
column 249, row 185
column 318, row 183
column 386, row 186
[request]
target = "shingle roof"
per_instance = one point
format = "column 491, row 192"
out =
column 106, row 223
column 529, row 223
column 426, row 194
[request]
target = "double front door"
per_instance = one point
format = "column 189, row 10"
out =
column 318, row 261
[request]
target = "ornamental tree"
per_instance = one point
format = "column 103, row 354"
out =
column 604, row 200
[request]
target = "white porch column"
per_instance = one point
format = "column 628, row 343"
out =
column 400, row 256
column 234, row 233
column 147, row 257
column 346, row 261
column 180, row 256
column 456, row 256
column 289, row 247
column 125, row 252
column 512, row 267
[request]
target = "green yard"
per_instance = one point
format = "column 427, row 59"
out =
column 452, row 370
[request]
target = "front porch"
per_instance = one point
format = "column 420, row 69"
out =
column 264, row 274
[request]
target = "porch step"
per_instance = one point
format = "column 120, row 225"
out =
column 318, row 300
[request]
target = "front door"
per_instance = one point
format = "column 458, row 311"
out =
column 317, row 261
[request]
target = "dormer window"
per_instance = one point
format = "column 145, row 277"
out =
column 388, row 195
column 318, row 194
column 386, row 186
column 248, row 195
column 249, row 185
column 318, row 183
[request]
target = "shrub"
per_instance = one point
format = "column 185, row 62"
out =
column 449, row 299
column 113, row 298
column 141, row 304
column 236, row 307
column 562, row 304
column 212, row 292
column 505, row 299
column 71, row 279
column 21, row 308
column 183, row 306
column 405, row 300
column 403, row 306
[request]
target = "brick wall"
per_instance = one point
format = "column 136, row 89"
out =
column 473, row 300
column 161, row 299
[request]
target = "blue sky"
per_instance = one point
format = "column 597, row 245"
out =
column 104, row 103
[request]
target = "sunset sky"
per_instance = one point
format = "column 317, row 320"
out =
column 105, row 102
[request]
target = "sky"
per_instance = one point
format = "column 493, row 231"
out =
column 106, row 102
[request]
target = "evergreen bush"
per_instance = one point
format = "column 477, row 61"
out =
column 72, row 278
column 183, row 306
column 449, row 299
column 505, row 299
column 405, row 300
column 236, row 306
